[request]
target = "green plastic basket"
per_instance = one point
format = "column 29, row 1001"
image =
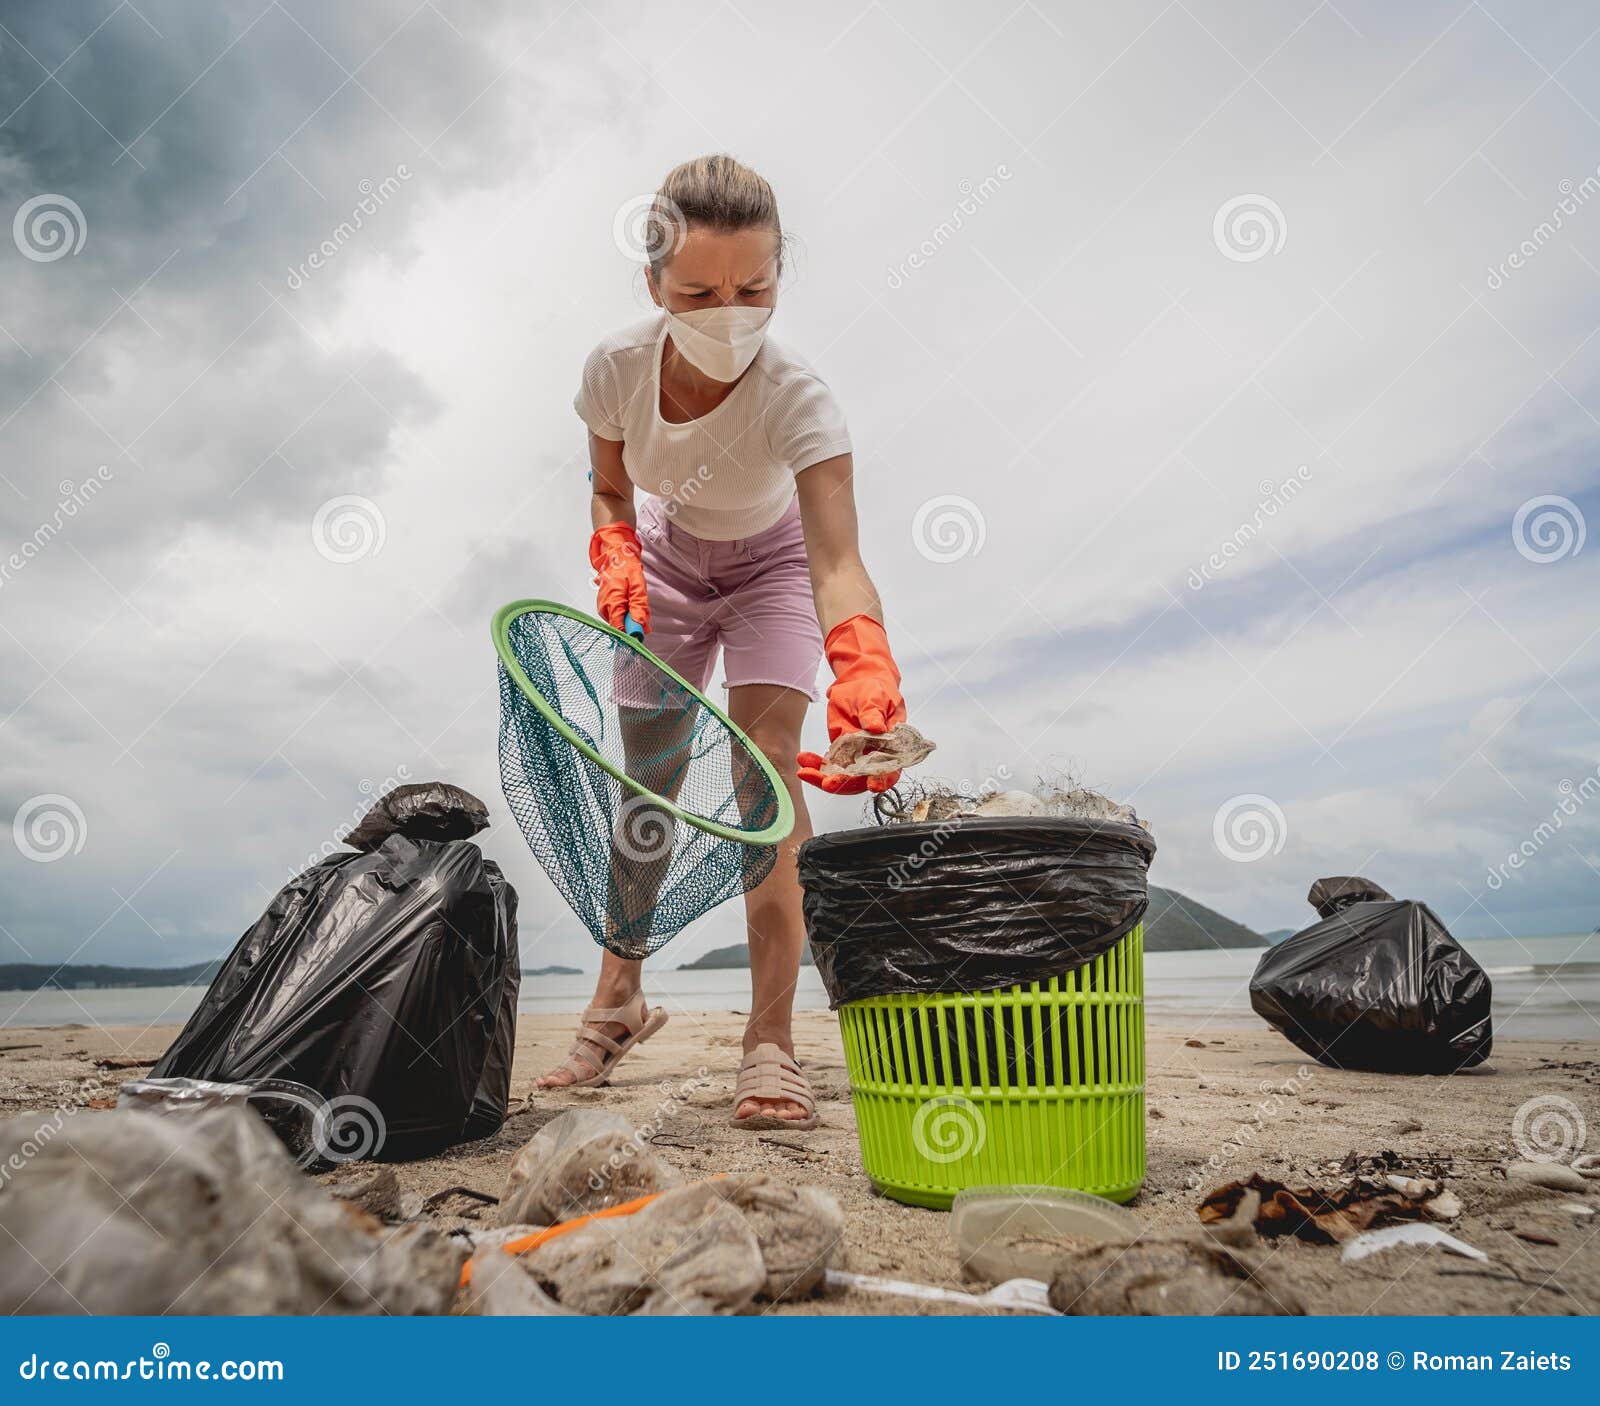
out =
column 1039, row 1085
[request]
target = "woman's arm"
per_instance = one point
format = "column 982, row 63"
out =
column 611, row 491
column 614, row 549
column 839, row 579
column 865, row 696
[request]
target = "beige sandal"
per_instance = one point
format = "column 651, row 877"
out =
column 767, row 1072
column 594, row 1054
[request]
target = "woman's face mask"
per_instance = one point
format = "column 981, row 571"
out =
column 719, row 342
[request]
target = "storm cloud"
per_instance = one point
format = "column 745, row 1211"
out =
column 1222, row 380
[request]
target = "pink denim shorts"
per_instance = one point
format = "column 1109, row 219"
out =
column 751, row 597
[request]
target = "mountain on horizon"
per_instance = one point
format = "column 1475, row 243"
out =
column 1174, row 923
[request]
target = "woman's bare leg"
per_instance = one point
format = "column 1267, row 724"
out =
column 772, row 717
column 653, row 742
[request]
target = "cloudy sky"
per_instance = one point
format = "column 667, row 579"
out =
column 1222, row 378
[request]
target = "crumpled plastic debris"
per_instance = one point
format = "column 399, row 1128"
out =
column 1060, row 799
column 581, row 1161
column 610, row 1265
column 689, row 1252
column 876, row 753
column 1553, row 1176
column 1370, row 1242
column 128, row 1212
column 1321, row 1216
column 1172, row 1276
column 800, row 1230
column 499, row 1287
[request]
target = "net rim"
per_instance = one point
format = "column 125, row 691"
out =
column 500, row 631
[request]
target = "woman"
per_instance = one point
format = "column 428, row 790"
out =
column 746, row 542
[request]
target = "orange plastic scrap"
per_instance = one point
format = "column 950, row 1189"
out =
column 523, row 1244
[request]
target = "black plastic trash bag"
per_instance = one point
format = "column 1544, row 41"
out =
column 388, row 976
column 969, row 905
column 1378, row 984
column 427, row 810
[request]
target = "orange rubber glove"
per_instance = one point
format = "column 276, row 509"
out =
column 865, row 697
column 615, row 554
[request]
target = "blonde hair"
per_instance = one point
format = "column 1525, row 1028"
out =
column 715, row 191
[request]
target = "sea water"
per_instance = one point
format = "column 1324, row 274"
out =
column 1545, row 988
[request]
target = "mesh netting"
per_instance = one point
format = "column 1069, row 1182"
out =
column 633, row 871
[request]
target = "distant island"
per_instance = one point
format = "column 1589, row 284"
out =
column 28, row 976
column 1177, row 923
column 1174, row 923
column 34, row 976
column 1277, row 935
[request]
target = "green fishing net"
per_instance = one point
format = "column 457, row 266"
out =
column 646, row 806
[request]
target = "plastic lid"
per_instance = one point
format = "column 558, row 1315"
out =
column 1009, row 1232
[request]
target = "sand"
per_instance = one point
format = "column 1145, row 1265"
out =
column 1204, row 1104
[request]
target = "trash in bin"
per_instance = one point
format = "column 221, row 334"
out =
column 1379, row 984
column 385, row 981
column 988, row 974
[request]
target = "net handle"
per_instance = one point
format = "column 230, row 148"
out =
column 500, row 630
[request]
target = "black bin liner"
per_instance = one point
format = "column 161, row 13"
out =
column 390, row 975
column 1379, row 984
column 968, row 905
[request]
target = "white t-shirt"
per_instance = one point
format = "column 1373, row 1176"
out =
column 730, row 473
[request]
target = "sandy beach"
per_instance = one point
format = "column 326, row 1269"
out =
column 1207, row 1126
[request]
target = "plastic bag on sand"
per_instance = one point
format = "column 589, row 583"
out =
column 388, row 976
column 582, row 1161
column 1378, row 984
column 501, row 1288
column 800, row 1230
column 127, row 1212
column 613, row 1266
column 690, row 1252
column 1162, row 1277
